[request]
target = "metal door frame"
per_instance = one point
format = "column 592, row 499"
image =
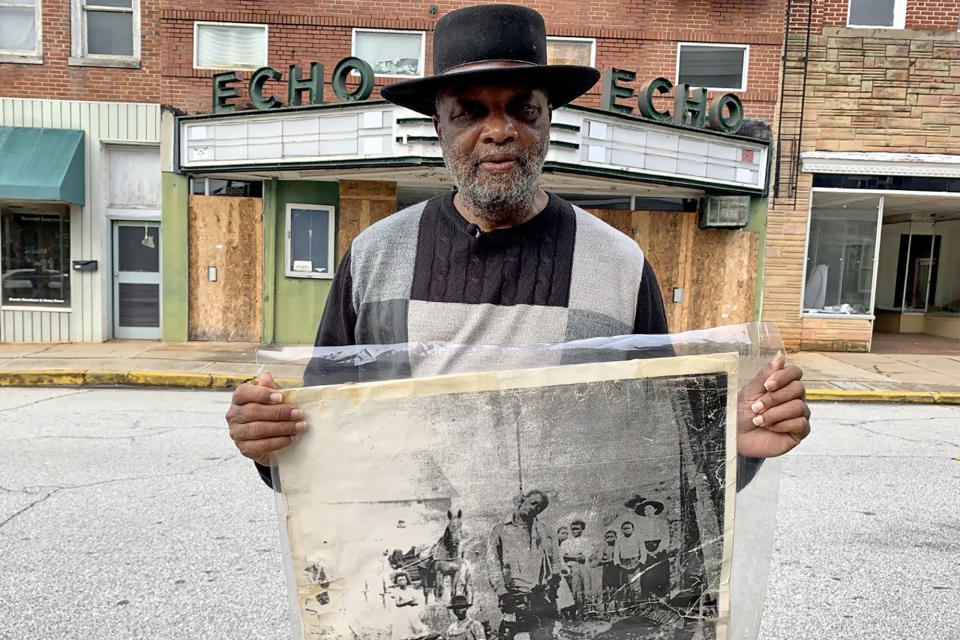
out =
column 141, row 333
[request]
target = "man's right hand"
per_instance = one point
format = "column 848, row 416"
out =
column 259, row 423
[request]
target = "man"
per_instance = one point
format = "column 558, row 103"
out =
column 464, row 627
column 499, row 261
column 629, row 554
column 611, row 573
column 575, row 551
column 524, row 569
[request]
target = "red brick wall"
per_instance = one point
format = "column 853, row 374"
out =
column 57, row 80
column 639, row 36
column 922, row 15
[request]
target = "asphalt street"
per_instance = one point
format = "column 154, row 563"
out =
column 129, row 514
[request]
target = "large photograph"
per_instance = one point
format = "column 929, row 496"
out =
column 583, row 501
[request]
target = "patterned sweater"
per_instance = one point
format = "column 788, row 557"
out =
column 425, row 274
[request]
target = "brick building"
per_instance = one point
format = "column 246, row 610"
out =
column 383, row 158
column 859, row 235
column 127, row 233
column 79, row 170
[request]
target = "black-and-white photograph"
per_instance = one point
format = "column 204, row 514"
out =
column 586, row 501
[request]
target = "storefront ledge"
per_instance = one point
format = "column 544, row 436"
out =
column 91, row 378
column 905, row 397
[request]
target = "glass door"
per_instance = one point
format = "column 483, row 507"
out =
column 136, row 280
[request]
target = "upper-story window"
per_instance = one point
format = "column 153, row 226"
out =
column 393, row 54
column 713, row 66
column 105, row 33
column 20, row 31
column 563, row 50
column 890, row 14
column 225, row 45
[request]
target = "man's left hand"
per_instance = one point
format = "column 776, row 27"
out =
column 772, row 412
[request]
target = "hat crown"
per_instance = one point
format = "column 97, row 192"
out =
column 489, row 32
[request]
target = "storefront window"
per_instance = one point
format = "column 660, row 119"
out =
column 36, row 258
column 310, row 236
column 841, row 254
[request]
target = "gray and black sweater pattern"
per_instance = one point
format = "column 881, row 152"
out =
column 425, row 274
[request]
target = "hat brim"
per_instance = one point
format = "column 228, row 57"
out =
column 562, row 82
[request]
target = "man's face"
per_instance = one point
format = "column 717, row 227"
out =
column 531, row 505
column 460, row 612
column 562, row 534
column 576, row 530
column 627, row 529
column 494, row 141
column 610, row 537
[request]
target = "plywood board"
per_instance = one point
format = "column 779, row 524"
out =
column 362, row 202
column 225, row 233
column 716, row 269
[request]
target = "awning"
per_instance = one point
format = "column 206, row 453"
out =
column 41, row 164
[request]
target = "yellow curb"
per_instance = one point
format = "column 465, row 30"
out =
column 910, row 397
column 229, row 381
column 169, row 379
column 94, row 378
column 41, row 378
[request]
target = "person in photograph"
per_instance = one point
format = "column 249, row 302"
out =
column 464, row 627
column 611, row 574
column 407, row 608
column 654, row 530
column 524, row 568
column 628, row 555
column 563, row 532
column 576, row 551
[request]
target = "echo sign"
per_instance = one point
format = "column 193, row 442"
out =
column 690, row 106
column 223, row 92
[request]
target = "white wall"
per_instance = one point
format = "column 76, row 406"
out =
column 90, row 291
column 887, row 268
column 948, row 274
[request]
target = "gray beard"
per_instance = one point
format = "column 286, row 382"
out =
column 500, row 198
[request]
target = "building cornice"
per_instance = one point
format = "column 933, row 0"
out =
column 882, row 163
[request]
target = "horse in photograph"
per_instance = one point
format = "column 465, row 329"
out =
column 442, row 560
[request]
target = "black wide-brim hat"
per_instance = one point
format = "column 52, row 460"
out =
column 488, row 45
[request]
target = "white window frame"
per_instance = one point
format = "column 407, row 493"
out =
column 719, row 45
column 592, row 41
column 423, row 47
column 876, row 254
column 266, row 36
column 899, row 17
column 20, row 57
column 331, row 241
column 78, row 38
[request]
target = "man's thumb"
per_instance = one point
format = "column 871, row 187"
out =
column 266, row 380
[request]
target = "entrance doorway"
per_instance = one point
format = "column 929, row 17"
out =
column 918, row 284
column 136, row 280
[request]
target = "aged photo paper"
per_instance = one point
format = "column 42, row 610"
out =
column 578, row 501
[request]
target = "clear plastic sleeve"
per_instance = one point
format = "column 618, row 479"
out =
column 755, row 346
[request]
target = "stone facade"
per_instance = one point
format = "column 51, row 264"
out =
column 870, row 90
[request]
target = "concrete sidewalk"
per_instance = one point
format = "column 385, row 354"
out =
column 212, row 365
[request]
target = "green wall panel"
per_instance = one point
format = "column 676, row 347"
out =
column 298, row 302
column 174, row 260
